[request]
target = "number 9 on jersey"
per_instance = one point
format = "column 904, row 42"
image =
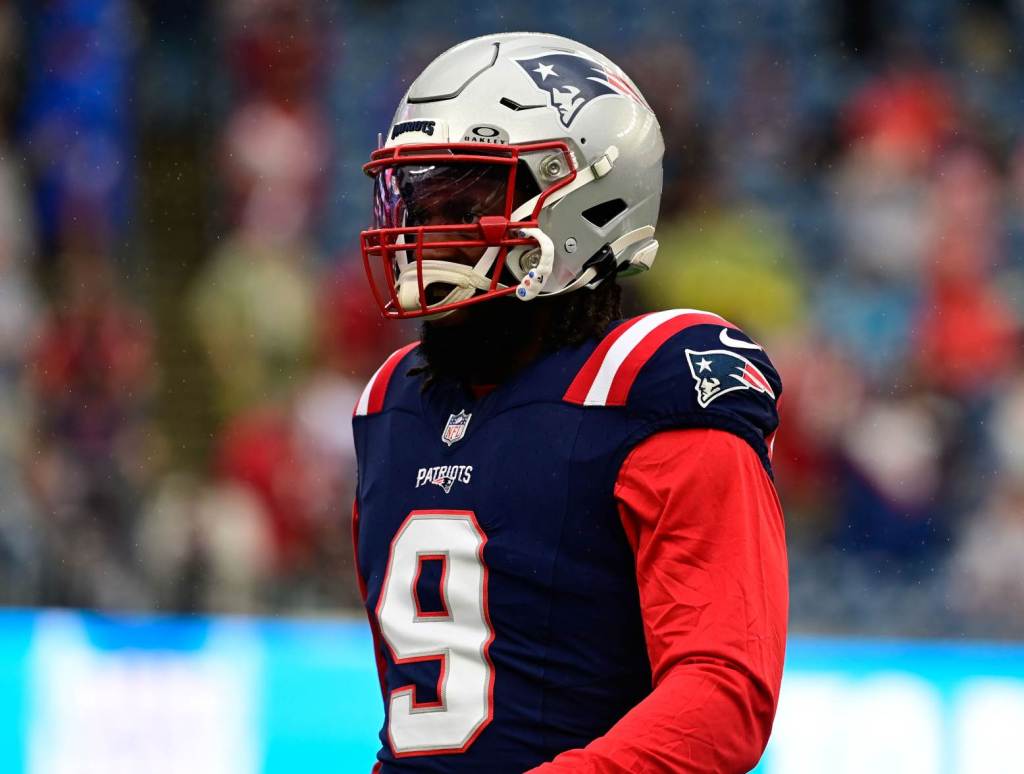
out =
column 459, row 636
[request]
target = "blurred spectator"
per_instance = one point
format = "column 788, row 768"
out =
column 92, row 364
column 987, row 581
column 967, row 332
column 206, row 546
column 714, row 254
column 902, row 116
column 825, row 393
column 888, row 217
column 890, row 503
column 351, row 337
column 259, row 450
column 77, row 117
column 883, row 206
column 276, row 145
column 254, row 304
column 892, row 128
column 275, row 47
column 91, row 374
column 276, row 155
column 1007, row 429
column 352, row 340
column 19, row 312
column 19, row 302
column 253, row 309
column 870, row 319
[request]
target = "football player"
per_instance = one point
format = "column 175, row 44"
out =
column 567, row 535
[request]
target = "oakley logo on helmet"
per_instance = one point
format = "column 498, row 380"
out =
column 424, row 127
column 486, row 133
column 572, row 81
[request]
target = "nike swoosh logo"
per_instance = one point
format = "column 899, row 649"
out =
column 729, row 341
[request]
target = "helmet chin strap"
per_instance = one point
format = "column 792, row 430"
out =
column 531, row 286
column 533, row 281
column 466, row 281
column 629, row 238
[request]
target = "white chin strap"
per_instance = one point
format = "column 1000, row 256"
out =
column 465, row 281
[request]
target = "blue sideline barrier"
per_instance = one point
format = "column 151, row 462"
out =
column 83, row 692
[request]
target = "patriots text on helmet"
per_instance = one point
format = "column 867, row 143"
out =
column 424, row 127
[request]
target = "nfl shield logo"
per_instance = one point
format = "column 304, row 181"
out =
column 456, row 427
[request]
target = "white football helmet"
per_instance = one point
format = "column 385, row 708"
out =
column 518, row 163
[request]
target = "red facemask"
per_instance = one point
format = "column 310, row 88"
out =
column 448, row 209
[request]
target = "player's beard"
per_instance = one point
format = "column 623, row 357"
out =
column 486, row 343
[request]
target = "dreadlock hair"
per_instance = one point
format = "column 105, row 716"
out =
column 497, row 332
column 583, row 315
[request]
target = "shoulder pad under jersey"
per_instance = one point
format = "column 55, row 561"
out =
column 371, row 400
column 684, row 368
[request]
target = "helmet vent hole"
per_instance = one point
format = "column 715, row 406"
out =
column 602, row 214
column 511, row 104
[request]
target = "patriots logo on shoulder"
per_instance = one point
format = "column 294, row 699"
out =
column 572, row 81
column 718, row 371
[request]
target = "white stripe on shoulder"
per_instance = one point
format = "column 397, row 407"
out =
column 364, row 399
column 597, row 395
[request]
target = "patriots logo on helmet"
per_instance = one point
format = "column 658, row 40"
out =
column 572, row 81
column 718, row 371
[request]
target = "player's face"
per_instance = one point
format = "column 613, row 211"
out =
column 450, row 195
column 434, row 208
column 453, row 195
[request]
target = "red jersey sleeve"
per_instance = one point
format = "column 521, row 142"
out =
column 705, row 524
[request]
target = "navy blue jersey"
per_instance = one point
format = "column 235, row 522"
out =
column 498, row 579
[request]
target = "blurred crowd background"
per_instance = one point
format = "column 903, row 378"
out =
column 185, row 327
